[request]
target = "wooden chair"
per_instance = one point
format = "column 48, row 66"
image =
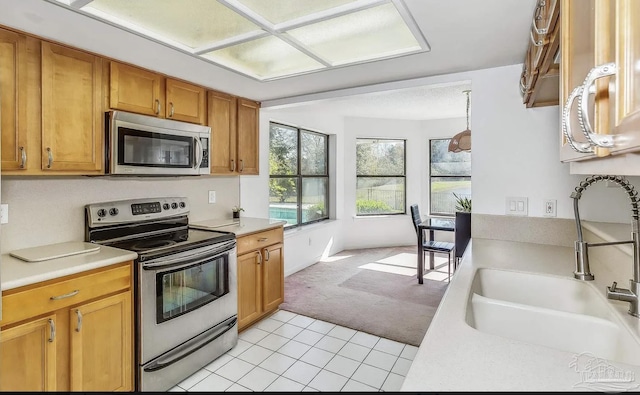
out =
column 432, row 246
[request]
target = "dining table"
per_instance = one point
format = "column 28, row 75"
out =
column 431, row 224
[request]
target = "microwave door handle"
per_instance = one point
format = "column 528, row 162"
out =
column 200, row 151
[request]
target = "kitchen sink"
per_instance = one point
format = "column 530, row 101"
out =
column 551, row 311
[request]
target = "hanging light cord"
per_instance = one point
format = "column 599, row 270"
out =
column 467, row 92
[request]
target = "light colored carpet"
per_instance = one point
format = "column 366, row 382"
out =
column 371, row 290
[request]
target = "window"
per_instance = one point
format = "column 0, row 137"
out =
column 298, row 175
column 449, row 173
column 380, row 176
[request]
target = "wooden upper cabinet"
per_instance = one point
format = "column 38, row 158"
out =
column 600, row 39
column 248, row 136
column 72, row 116
column 627, row 116
column 185, row 102
column 144, row 92
column 13, row 100
column 136, row 90
column 222, row 120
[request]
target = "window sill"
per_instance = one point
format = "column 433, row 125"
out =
column 359, row 217
column 301, row 229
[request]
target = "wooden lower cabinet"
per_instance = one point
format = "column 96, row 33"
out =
column 260, row 277
column 28, row 356
column 77, row 341
column 101, row 358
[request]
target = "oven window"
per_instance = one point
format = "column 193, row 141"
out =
column 141, row 148
column 182, row 290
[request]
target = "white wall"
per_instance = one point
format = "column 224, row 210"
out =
column 51, row 210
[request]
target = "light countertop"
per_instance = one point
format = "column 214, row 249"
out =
column 17, row 273
column 453, row 356
column 241, row 227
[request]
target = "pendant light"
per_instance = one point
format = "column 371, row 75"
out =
column 462, row 140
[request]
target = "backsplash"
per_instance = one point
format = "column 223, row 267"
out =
column 553, row 231
column 51, row 210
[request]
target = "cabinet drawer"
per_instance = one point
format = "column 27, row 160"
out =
column 32, row 300
column 259, row 240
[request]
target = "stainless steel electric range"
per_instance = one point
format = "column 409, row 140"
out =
column 185, row 288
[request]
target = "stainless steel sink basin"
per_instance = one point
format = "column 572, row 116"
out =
column 551, row 311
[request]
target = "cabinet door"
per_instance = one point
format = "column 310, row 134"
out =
column 185, row 102
column 28, row 356
column 101, row 343
column 72, row 117
column 222, row 120
column 587, row 41
column 248, row 136
column 249, row 288
column 628, row 77
column 273, row 277
column 136, row 90
column 13, row 100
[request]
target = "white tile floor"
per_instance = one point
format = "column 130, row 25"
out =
column 291, row 352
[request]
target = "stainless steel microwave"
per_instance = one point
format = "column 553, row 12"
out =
column 140, row 145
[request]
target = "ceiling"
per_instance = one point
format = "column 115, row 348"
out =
column 463, row 35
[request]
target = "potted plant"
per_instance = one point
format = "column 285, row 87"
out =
column 236, row 211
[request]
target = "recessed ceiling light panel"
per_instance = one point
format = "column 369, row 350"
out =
column 192, row 23
column 286, row 10
column 376, row 32
column 264, row 58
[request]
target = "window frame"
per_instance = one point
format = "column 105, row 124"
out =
column 431, row 213
column 404, row 175
column 299, row 177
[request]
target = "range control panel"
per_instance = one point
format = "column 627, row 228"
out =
column 134, row 210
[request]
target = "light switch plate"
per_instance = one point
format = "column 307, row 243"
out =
column 517, row 206
column 212, row 196
column 4, row 213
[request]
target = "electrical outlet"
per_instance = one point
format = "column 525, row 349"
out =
column 212, row 196
column 4, row 213
column 549, row 208
column 517, row 206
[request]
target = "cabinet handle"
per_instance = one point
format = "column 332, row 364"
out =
column 52, row 330
column 233, row 165
column 262, row 239
column 259, row 257
column 50, row 154
column 584, row 148
column 157, row 106
column 588, row 88
column 241, row 165
column 23, row 157
column 171, row 110
column 70, row 294
column 79, row 314
column 268, row 255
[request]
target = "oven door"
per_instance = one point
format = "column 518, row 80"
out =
column 141, row 145
column 183, row 295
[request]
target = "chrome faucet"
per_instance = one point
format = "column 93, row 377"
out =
column 631, row 295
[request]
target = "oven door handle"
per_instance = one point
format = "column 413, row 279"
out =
column 189, row 260
column 191, row 346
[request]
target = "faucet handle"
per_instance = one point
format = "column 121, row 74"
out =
column 613, row 287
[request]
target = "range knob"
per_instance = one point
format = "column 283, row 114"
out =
column 113, row 211
column 165, row 206
column 182, row 205
column 174, row 205
column 102, row 212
